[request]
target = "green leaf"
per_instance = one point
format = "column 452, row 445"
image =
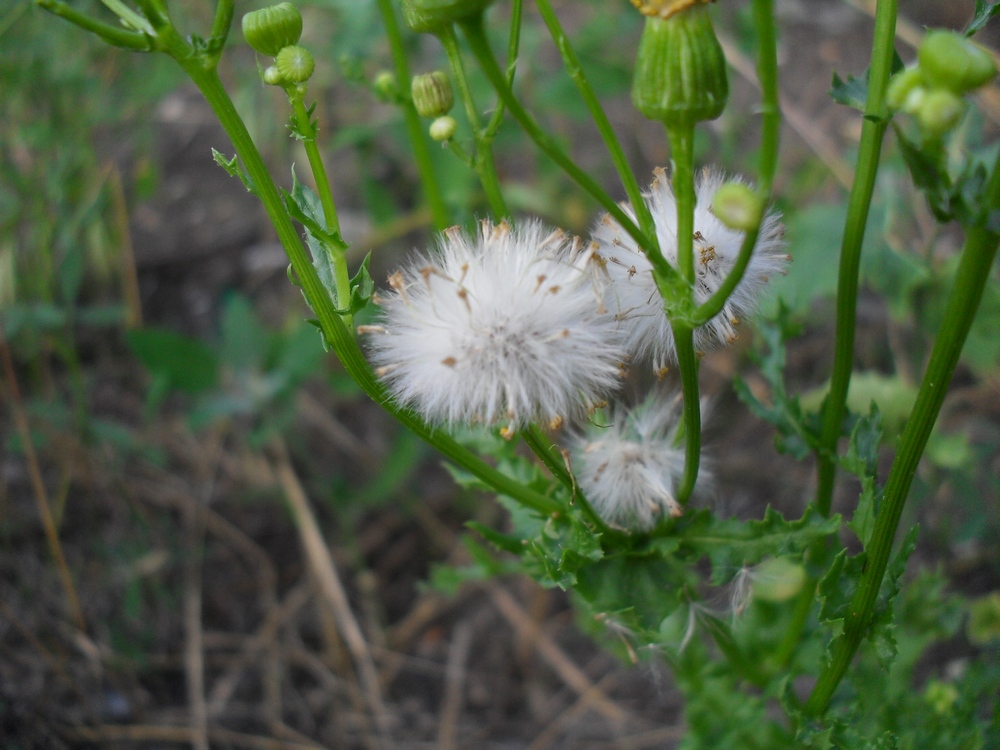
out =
column 234, row 169
column 854, row 91
column 862, row 523
column 882, row 630
column 731, row 544
column 304, row 207
column 862, row 452
column 362, row 288
column 984, row 12
column 837, row 586
column 183, row 363
column 244, row 341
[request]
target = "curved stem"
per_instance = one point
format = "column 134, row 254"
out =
column 767, row 72
column 114, row 35
column 625, row 174
column 335, row 332
column 414, row 129
column 476, row 36
column 872, row 131
column 963, row 301
column 485, row 165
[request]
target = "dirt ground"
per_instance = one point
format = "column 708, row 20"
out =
column 212, row 618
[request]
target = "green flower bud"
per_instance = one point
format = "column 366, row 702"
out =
column 428, row 16
column 386, row 86
column 443, row 129
column 432, row 94
column 778, row 579
column 904, row 85
column 941, row 696
column 950, row 61
column 272, row 76
column 938, row 112
column 680, row 73
column 295, row 64
column 737, row 206
column 270, row 29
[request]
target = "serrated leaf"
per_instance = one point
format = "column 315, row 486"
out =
column 882, row 630
column 862, row 452
column 862, row 523
column 362, row 288
column 732, row 544
column 837, row 586
column 854, row 91
column 984, row 12
column 234, row 169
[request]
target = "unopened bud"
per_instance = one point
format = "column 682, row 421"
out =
column 272, row 76
column 906, row 85
column 386, row 86
column 951, row 61
column 680, row 72
column 432, row 94
column 778, row 579
column 270, row 29
column 429, row 16
column 939, row 111
column 737, row 206
column 443, row 129
column 295, row 64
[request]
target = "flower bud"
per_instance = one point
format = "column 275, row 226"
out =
column 432, row 94
column 680, row 73
column 272, row 76
column 386, row 86
column 428, row 16
column 737, row 206
column 906, row 85
column 270, row 29
column 778, row 579
column 295, row 64
column 443, row 129
column 938, row 112
column 950, row 61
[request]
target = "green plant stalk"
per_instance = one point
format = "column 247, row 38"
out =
column 682, row 181
column 540, row 445
column 476, row 36
column 767, row 73
column 963, row 301
column 485, row 165
column 872, row 131
column 792, row 638
column 513, row 46
column 337, row 251
column 113, row 35
column 222, row 22
column 625, row 173
column 415, row 130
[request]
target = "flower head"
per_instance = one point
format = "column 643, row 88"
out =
column 505, row 325
column 629, row 469
column 633, row 295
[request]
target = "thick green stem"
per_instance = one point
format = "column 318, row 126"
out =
column 114, row 35
column 688, row 364
column 767, row 72
column 625, row 174
column 336, row 333
column 963, row 301
column 682, row 181
column 476, row 36
column 485, row 165
column 872, row 131
column 415, row 130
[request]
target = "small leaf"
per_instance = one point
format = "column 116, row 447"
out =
column 854, row 91
column 362, row 288
column 984, row 12
column 183, row 363
column 234, row 169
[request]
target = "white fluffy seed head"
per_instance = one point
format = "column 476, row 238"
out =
column 632, row 293
column 507, row 325
column 629, row 469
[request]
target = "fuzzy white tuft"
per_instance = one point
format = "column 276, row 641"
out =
column 629, row 469
column 632, row 293
column 507, row 325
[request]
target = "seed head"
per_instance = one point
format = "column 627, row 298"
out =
column 506, row 325
column 632, row 294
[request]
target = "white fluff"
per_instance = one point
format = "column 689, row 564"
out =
column 632, row 293
column 629, row 470
column 507, row 325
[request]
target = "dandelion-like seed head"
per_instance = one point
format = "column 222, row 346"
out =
column 629, row 469
column 632, row 293
column 506, row 325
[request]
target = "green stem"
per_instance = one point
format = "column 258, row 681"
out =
column 872, row 131
column 541, row 446
column 337, row 251
column 485, row 165
column 963, row 301
column 625, row 173
column 767, row 73
column 113, row 35
column 687, row 362
column 335, row 332
column 476, row 36
column 792, row 638
column 222, row 22
column 513, row 46
column 415, row 130
column 682, row 182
